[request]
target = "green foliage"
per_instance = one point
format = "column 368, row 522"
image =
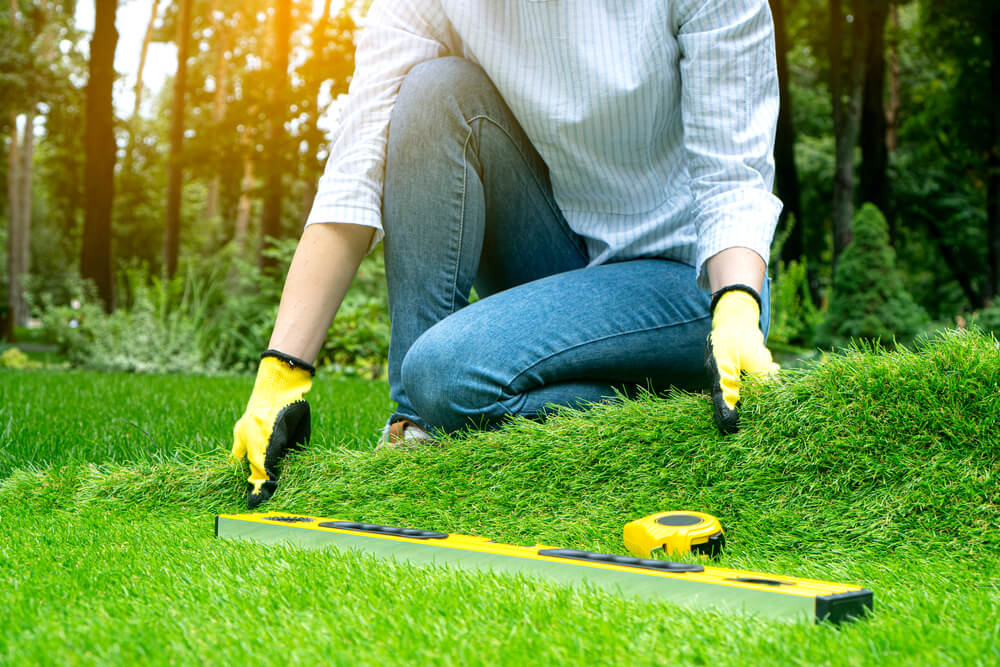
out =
column 15, row 359
column 60, row 417
column 872, row 467
column 814, row 161
column 161, row 327
column 869, row 300
column 205, row 321
column 939, row 175
column 794, row 318
column 988, row 318
column 358, row 342
column 248, row 304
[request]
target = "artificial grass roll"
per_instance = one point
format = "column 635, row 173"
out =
column 865, row 450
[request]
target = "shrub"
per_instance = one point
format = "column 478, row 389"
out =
column 207, row 321
column 988, row 319
column 242, row 322
column 15, row 359
column 869, row 300
column 161, row 326
column 794, row 318
column 357, row 343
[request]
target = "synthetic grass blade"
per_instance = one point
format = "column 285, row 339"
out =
column 684, row 583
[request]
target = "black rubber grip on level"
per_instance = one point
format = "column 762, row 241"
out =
column 760, row 580
column 385, row 530
column 840, row 607
column 630, row 561
column 289, row 519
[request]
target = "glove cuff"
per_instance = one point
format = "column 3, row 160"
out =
column 294, row 362
column 716, row 296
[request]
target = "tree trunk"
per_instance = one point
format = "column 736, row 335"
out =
column 993, row 180
column 786, row 174
column 958, row 266
column 99, row 183
column 23, row 240
column 846, row 116
column 15, row 269
column 147, row 38
column 137, row 91
column 892, row 112
column 222, row 33
column 244, row 206
column 874, row 180
column 276, row 159
column 309, row 194
column 172, row 234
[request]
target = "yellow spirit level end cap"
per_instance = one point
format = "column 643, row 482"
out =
column 675, row 533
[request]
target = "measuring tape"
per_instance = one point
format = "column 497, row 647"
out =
column 675, row 533
column 688, row 584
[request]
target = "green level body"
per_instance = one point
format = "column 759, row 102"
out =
column 686, row 584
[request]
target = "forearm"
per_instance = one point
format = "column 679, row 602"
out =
column 322, row 269
column 736, row 266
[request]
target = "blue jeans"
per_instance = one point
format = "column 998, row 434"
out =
column 467, row 203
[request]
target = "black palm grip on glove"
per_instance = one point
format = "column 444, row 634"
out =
column 292, row 429
column 726, row 419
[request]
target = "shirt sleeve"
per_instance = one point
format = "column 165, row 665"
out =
column 398, row 35
column 729, row 106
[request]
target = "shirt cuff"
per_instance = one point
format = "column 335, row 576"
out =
column 348, row 215
column 737, row 219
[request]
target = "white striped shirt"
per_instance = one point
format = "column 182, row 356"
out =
column 656, row 118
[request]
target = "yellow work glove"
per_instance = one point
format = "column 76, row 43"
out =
column 735, row 346
column 276, row 421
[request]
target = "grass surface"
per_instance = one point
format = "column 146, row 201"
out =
column 879, row 469
column 50, row 418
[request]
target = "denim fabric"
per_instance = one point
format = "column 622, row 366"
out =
column 468, row 202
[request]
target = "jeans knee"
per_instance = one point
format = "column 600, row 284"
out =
column 435, row 82
column 439, row 383
column 422, row 375
column 432, row 100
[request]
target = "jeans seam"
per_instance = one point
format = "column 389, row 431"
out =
column 461, row 220
column 507, row 386
column 534, row 175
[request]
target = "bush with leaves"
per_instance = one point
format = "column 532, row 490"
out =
column 243, row 319
column 160, row 326
column 988, row 318
column 357, row 343
column 794, row 318
column 869, row 300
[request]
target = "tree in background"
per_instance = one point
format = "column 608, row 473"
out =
column 786, row 174
column 325, row 75
column 846, row 92
column 276, row 144
column 943, row 181
column 874, row 173
column 869, row 300
column 95, row 259
column 968, row 31
column 19, row 163
column 33, row 78
column 172, row 226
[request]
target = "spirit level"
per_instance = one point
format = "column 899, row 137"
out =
column 675, row 533
column 682, row 583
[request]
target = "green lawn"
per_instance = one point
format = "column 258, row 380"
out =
column 879, row 469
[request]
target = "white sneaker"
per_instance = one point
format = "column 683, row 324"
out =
column 402, row 434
